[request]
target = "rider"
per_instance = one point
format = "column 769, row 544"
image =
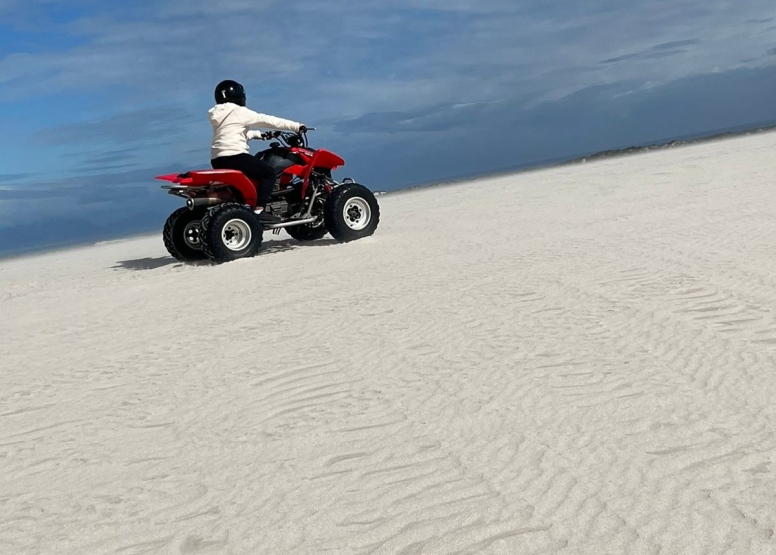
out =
column 231, row 122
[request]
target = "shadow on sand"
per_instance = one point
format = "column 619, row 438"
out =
column 269, row 247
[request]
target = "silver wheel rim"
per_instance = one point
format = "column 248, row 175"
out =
column 236, row 234
column 357, row 213
column 191, row 235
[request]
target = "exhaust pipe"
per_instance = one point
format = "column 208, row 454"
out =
column 195, row 202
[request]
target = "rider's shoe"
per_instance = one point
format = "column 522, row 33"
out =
column 267, row 218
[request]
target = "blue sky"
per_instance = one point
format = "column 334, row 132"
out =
column 98, row 97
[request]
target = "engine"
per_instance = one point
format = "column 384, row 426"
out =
column 280, row 208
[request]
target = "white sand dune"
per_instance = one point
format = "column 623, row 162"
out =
column 574, row 360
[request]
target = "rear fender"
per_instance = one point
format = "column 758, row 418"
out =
column 233, row 179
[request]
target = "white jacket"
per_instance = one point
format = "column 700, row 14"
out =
column 231, row 124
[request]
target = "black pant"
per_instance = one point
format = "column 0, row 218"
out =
column 263, row 174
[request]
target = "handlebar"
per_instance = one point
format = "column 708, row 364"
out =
column 291, row 138
column 277, row 134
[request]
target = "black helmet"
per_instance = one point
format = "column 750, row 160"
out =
column 230, row 91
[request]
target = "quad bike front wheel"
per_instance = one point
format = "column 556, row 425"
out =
column 351, row 213
column 181, row 234
column 230, row 231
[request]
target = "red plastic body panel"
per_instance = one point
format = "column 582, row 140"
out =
column 315, row 159
column 327, row 159
column 245, row 187
column 203, row 178
column 174, row 178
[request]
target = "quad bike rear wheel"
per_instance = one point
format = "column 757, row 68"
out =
column 351, row 213
column 230, row 231
column 181, row 234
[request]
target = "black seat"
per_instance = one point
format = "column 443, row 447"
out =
column 279, row 158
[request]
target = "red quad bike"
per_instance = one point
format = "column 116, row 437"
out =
column 218, row 221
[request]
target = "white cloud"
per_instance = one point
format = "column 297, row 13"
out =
column 328, row 54
column 324, row 61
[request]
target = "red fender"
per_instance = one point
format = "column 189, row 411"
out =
column 204, row 178
column 320, row 159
